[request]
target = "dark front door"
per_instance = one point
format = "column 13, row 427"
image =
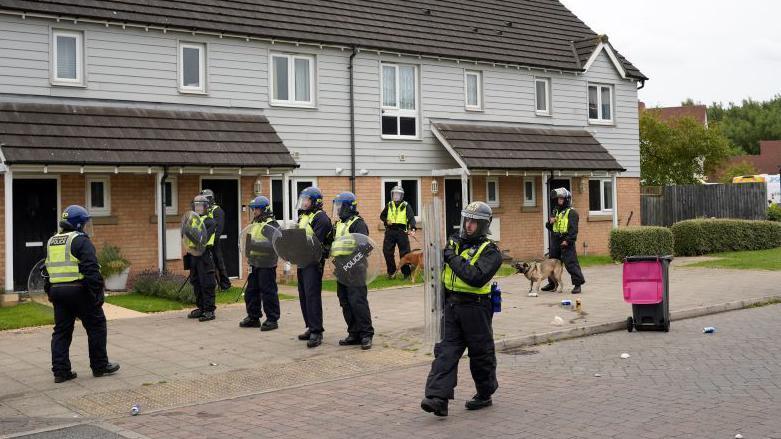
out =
column 35, row 221
column 226, row 194
column 453, row 206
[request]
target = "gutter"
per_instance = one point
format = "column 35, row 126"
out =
column 352, row 119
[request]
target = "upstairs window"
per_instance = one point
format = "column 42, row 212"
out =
column 68, row 58
column 292, row 80
column 192, row 68
column 542, row 95
column 600, row 104
column 474, row 90
column 399, row 101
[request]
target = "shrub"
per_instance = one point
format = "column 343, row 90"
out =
column 163, row 284
column 774, row 212
column 111, row 261
column 639, row 240
column 702, row 236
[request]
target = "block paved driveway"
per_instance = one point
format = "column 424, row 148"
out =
column 684, row 384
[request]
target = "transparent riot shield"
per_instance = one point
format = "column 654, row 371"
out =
column 194, row 235
column 36, row 279
column 352, row 261
column 432, row 272
column 256, row 242
column 294, row 245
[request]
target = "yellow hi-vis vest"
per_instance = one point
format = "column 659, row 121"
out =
column 210, row 213
column 561, row 224
column 60, row 263
column 344, row 244
column 397, row 214
column 305, row 222
column 256, row 234
column 197, row 223
column 454, row 283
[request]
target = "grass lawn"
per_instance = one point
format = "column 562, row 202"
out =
column 594, row 260
column 146, row 304
column 25, row 315
column 748, row 260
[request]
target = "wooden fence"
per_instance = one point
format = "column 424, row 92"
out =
column 664, row 206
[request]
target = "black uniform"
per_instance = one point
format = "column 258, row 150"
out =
column 396, row 234
column 203, row 273
column 354, row 299
column 262, row 293
column 310, row 278
column 467, row 325
column 219, row 218
column 568, row 255
column 82, row 299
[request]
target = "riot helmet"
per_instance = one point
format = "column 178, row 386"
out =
column 345, row 206
column 476, row 220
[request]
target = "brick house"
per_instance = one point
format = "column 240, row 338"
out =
column 115, row 104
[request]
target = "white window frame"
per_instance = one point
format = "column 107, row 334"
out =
column 599, row 120
column 602, row 210
column 547, row 81
column 106, row 209
column 174, row 208
column 201, row 67
column 291, row 80
column 488, row 181
column 533, row 201
column 479, row 75
column 398, row 183
column 396, row 111
column 55, row 80
column 294, row 194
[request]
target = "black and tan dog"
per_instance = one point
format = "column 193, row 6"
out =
column 538, row 271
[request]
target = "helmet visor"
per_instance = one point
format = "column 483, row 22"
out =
column 200, row 207
column 397, row 196
column 337, row 209
column 472, row 227
column 88, row 229
column 304, row 203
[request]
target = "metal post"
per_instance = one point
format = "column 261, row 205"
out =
column 615, row 201
column 286, row 198
column 9, row 230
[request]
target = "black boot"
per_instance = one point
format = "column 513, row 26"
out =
column 350, row 340
column 194, row 314
column 249, row 322
column 550, row 287
column 366, row 343
column 478, row 402
column 438, row 406
column 208, row 315
column 64, row 377
column 576, row 290
column 305, row 336
column 315, row 340
column 108, row 369
column 268, row 325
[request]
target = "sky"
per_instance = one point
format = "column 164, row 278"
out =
column 710, row 51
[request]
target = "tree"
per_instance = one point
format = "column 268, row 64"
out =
column 680, row 151
column 736, row 170
column 746, row 124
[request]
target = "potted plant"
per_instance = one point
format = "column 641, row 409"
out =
column 114, row 267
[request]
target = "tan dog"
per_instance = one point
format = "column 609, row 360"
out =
column 537, row 271
column 414, row 258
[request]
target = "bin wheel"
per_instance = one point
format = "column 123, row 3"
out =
column 630, row 324
column 666, row 326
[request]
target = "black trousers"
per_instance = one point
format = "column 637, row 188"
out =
column 219, row 261
column 467, row 326
column 569, row 257
column 310, row 289
column 71, row 303
column 393, row 237
column 261, row 294
column 355, row 308
column 202, row 278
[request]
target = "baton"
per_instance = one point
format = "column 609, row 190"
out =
column 241, row 293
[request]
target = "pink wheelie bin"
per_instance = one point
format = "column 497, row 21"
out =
column 646, row 285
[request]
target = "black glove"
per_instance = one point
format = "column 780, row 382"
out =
column 450, row 251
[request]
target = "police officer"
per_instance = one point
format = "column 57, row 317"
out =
column 262, row 281
column 471, row 260
column 564, row 225
column 218, row 215
column 352, row 298
column 399, row 220
column 201, row 259
column 310, row 277
column 75, row 288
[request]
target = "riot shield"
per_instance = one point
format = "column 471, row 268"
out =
column 432, row 272
column 256, row 242
column 36, row 279
column 295, row 246
column 352, row 261
column 194, row 235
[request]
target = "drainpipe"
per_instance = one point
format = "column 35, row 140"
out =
column 352, row 119
column 162, row 215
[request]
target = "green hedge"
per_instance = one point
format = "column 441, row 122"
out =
column 703, row 236
column 774, row 212
column 163, row 284
column 639, row 240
